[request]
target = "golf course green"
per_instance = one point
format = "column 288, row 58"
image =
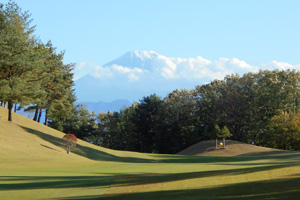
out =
column 34, row 164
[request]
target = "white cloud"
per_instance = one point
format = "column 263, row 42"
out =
column 162, row 68
column 280, row 65
column 240, row 64
column 108, row 72
column 168, row 72
column 121, row 69
column 102, row 72
column 132, row 74
column 227, row 66
column 133, row 77
column 126, row 70
column 198, row 68
column 173, row 68
column 83, row 68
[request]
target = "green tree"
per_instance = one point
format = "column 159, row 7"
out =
column 147, row 120
column 112, row 134
column 178, row 124
column 58, row 85
column 128, row 128
column 207, row 97
column 284, row 131
column 18, row 57
column 224, row 133
column 82, row 123
column 215, row 134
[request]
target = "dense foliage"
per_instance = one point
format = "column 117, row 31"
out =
column 32, row 73
column 257, row 107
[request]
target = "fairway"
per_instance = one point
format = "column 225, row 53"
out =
column 35, row 165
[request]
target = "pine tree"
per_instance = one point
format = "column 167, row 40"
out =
column 18, row 57
column 58, row 85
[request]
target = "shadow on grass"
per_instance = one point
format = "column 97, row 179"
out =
column 295, row 158
column 46, row 182
column 49, row 147
column 91, row 197
column 144, row 179
column 278, row 189
column 39, row 182
column 91, row 153
column 49, row 182
column 266, row 153
column 273, row 189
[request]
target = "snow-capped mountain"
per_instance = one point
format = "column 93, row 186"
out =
column 131, row 76
column 135, row 59
column 142, row 73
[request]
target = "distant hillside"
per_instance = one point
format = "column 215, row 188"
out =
column 102, row 106
column 233, row 148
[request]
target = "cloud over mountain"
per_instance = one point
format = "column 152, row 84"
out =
column 140, row 73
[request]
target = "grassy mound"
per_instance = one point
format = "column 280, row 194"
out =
column 35, row 165
column 233, row 148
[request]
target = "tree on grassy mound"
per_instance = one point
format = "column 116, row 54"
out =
column 71, row 141
column 224, row 134
column 221, row 133
column 215, row 134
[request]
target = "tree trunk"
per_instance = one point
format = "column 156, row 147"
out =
column 216, row 143
column 15, row 108
column 40, row 115
column 36, row 114
column 46, row 118
column 224, row 143
column 10, row 108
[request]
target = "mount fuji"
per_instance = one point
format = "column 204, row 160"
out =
column 136, row 59
column 134, row 75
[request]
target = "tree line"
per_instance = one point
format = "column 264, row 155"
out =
column 32, row 73
column 260, row 108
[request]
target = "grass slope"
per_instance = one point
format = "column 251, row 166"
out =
column 233, row 148
column 35, row 165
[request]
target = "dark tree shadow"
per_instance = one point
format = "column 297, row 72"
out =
column 265, row 153
column 49, row 147
column 91, row 153
column 278, row 189
column 107, row 180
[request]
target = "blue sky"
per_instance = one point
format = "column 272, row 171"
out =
column 99, row 31
column 218, row 37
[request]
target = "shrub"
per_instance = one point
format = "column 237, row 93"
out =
column 71, row 141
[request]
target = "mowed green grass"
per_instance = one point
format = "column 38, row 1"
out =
column 34, row 165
